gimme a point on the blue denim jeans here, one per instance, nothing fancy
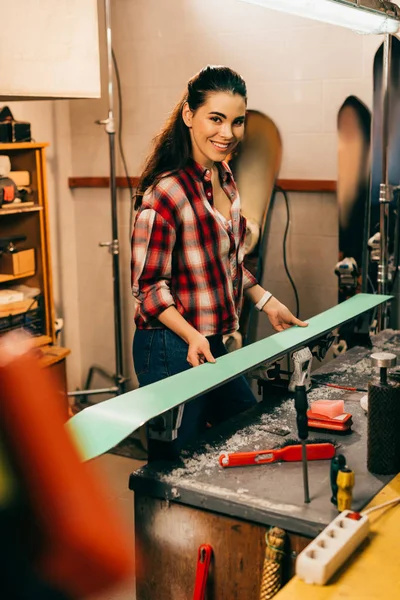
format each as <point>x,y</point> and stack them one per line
<point>159,353</point>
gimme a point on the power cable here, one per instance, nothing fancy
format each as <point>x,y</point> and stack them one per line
<point>288,222</point>
<point>120,144</point>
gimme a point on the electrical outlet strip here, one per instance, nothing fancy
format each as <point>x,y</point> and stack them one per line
<point>330,549</point>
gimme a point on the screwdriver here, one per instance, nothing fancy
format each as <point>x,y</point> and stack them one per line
<point>301,406</point>
<point>338,462</point>
<point>345,483</point>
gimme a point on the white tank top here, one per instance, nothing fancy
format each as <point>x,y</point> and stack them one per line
<point>223,219</point>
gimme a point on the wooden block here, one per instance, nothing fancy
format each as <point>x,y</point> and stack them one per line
<point>14,205</point>
<point>21,178</point>
<point>16,263</point>
<point>16,308</point>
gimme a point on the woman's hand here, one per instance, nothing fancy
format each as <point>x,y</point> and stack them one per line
<point>280,316</point>
<point>199,350</point>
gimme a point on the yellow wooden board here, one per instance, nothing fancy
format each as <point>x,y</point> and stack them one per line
<point>17,308</point>
<point>4,278</point>
<point>373,572</point>
<point>24,146</point>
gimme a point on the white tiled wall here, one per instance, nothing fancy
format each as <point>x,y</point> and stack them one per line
<point>297,71</point>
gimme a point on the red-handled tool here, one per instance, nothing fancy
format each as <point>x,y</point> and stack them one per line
<point>290,453</point>
<point>203,566</point>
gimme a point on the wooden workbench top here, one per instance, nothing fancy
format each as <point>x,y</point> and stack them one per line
<point>373,572</point>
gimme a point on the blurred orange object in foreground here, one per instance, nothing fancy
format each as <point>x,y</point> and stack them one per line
<point>81,547</point>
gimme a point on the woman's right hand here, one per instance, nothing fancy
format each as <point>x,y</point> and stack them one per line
<point>199,350</point>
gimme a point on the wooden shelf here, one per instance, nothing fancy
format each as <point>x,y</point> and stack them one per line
<point>41,340</point>
<point>17,211</point>
<point>4,278</point>
<point>288,185</point>
<point>52,355</point>
<point>18,308</point>
<point>307,185</point>
<point>23,146</point>
<point>100,182</point>
<point>31,220</point>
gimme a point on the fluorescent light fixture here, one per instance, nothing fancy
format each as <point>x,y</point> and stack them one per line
<point>363,16</point>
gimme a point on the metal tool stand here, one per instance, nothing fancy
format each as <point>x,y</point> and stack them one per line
<point>395,311</point>
<point>386,196</point>
<point>385,191</point>
<point>117,377</point>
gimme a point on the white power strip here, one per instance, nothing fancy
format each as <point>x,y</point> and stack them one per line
<point>329,550</point>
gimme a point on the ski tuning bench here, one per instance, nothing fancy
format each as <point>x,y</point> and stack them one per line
<point>192,501</point>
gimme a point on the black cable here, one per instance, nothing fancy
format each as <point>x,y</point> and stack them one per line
<point>279,189</point>
<point>396,243</point>
<point>120,144</point>
<point>371,284</point>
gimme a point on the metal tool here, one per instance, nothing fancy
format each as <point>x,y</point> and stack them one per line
<point>203,566</point>
<point>301,406</point>
<point>302,361</point>
<point>165,427</point>
<point>338,462</point>
<point>293,453</point>
<point>383,455</point>
<point>345,483</point>
<point>347,272</point>
<point>383,361</point>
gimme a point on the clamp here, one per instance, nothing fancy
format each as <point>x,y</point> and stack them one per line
<point>165,427</point>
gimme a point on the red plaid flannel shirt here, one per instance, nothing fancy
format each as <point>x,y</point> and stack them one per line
<point>183,255</point>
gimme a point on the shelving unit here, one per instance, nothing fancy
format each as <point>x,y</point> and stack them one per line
<point>31,221</point>
<point>18,209</point>
<point>4,278</point>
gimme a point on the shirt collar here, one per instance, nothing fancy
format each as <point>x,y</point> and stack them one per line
<point>196,170</point>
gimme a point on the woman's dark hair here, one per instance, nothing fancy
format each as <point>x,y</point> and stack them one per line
<point>172,146</point>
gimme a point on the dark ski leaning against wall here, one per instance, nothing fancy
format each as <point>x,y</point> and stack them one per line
<point>393,158</point>
<point>354,138</point>
<point>354,141</point>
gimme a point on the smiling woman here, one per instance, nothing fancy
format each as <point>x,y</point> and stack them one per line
<point>188,275</point>
<point>216,127</point>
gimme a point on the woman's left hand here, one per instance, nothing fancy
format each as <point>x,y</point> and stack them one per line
<point>280,316</point>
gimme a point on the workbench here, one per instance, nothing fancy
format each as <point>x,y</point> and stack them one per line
<point>373,571</point>
<point>179,506</point>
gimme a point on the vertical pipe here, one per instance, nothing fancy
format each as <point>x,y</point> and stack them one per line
<point>385,191</point>
<point>110,129</point>
<point>387,47</point>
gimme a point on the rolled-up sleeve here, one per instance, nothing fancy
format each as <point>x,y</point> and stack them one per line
<point>153,240</point>
<point>248,279</point>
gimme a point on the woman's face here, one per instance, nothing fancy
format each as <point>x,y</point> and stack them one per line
<point>216,127</point>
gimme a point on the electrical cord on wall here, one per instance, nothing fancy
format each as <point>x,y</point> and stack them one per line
<point>279,189</point>
<point>120,144</point>
<point>396,257</point>
<point>371,285</point>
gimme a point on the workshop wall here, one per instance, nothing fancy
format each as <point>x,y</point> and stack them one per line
<point>298,72</point>
<point>50,122</point>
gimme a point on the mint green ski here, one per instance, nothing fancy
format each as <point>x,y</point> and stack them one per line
<point>98,428</point>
